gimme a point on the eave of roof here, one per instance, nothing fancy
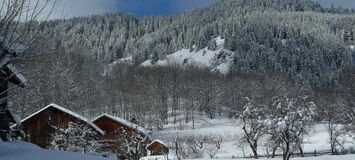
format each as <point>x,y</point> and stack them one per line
<point>122,121</point>
<point>68,112</point>
<point>20,79</point>
<point>156,141</point>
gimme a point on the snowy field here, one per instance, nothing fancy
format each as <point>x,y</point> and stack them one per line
<point>18,150</point>
<point>229,129</point>
<point>345,157</point>
<point>231,132</point>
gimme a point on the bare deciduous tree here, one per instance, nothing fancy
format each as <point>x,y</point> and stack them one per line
<point>253,124</point>
<point>18,19</point>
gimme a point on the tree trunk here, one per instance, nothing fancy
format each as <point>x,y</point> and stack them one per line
<point>289,156</point>
<point>177,149</point>
<point>253,145</point>
<point>193,118</point>
<point>254,148</point>
<point>255,152</point>
<point>175,107</point>
<point>286,154</point>
<point>331,138</point>
<point>273,152</point>
<point>301,151</point>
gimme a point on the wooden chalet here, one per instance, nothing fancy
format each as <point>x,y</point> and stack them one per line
<point>118,132</point>
<point>42,125</point>
<point>157,148</point>
<point>8,73</point>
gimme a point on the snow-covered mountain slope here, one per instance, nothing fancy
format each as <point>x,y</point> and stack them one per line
<point>18,150</point>
<point>218,60</point>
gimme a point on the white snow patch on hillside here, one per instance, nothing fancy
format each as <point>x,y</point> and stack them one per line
<point>219,42</point>
<point>108,69</point>
<point>219,60</point>
<point>18,150</point>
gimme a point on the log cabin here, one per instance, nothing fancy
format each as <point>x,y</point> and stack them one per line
<point>41,125</point>
<point>119,133</point>
<point>157,148</point>
<point>8,73</point>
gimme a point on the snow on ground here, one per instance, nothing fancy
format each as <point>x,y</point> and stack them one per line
<point>344,157</point>
<point>231,131</point>
<point>18,150</point>
<point>159,158</point>
<point>218,60</point>
<point>318,140</point>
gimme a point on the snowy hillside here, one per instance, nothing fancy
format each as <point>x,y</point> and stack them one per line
<point>18,150</point>
<point>219,60</point>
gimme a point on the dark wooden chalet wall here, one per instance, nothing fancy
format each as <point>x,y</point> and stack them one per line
<point>116,135</point>
<point>112,127</point>
<point>40,128</point>
<point>157,148</point>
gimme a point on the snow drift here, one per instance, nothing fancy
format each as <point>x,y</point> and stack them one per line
<point>18,150</point>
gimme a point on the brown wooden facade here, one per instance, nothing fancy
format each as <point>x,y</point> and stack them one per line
<point>8,74</point>
<point>157,148</point>
<point>41,126</point>
<point>117,132</point>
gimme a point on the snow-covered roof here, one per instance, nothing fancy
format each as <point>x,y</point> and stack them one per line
<point>122,121</point>
<point>20,78</point>
<point>68,112</point>
<point>156,141</point>
<point>17,48</point>
<point>5,60</point>
<point>14,48</point>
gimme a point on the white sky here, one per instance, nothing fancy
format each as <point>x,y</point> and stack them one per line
<point>342,3</point>
<point>75,8</point>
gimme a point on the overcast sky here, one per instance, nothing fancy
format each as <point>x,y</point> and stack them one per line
<point>74,8</point>
<point>160,7</point>
<point>342,3</point>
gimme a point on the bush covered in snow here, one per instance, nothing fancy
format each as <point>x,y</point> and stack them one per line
<point>77,138</point>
